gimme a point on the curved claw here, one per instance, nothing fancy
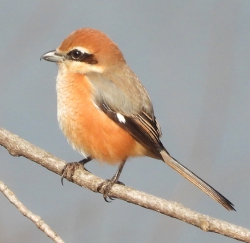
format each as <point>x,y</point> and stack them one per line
<point>107,186</point>
<point>120,183</point>
<point>69,170</point>
<point>62,179</point>
<point>106,200</point>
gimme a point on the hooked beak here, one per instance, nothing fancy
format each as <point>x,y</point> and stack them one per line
<point>52,56</point>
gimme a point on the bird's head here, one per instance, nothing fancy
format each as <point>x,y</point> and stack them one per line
<point>86,50</point>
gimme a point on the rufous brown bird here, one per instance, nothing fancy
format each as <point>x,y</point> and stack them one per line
<point>104,110</point>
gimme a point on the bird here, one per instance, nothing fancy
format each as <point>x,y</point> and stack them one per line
<point>104,110</point>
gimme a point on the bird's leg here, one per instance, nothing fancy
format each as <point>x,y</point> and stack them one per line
<point>69,168</point>
<point>107,184</point>
<point>84,161</point>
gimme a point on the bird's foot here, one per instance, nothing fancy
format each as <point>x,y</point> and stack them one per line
<point>106,186</point>
<point>70,168</point>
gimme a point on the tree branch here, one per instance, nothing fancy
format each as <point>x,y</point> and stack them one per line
<point>19,147</point>
<point>27,213</point>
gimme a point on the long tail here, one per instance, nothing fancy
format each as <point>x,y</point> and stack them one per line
<point>197,181</point>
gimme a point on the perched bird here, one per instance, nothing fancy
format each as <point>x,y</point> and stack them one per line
<point>104,110</point>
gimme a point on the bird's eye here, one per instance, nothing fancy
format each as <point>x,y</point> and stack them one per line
<point>76,54</point>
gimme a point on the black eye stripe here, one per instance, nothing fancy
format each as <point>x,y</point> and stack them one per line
<point>76,55</point>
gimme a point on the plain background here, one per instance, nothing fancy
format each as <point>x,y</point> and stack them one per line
<point>193,58</point>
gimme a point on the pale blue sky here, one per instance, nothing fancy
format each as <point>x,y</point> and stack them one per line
<point>194,59</point>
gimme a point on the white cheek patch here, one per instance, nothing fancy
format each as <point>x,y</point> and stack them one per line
<point>121,118</point>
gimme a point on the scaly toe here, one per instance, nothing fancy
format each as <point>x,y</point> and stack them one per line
<point>69,170</point>
<point>107,186</point>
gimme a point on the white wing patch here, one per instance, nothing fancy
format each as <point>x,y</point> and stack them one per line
<point>95,105</point>
<point>121,118</point>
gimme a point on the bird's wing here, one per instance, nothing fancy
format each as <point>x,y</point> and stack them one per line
<point>141,126</point>
<point>130,108</point>
<point>144,128</point>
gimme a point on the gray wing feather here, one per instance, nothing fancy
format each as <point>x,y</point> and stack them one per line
<point>112,88</point>
<point>112,97</point>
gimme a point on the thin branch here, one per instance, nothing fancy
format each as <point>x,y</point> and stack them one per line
<point>27,213</point>
<point>19,147</point>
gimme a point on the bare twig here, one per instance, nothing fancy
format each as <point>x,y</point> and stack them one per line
<point>19,147</point>
<point>27,213</point>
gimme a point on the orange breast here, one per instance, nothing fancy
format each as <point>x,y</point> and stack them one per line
<point>87,128</point>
